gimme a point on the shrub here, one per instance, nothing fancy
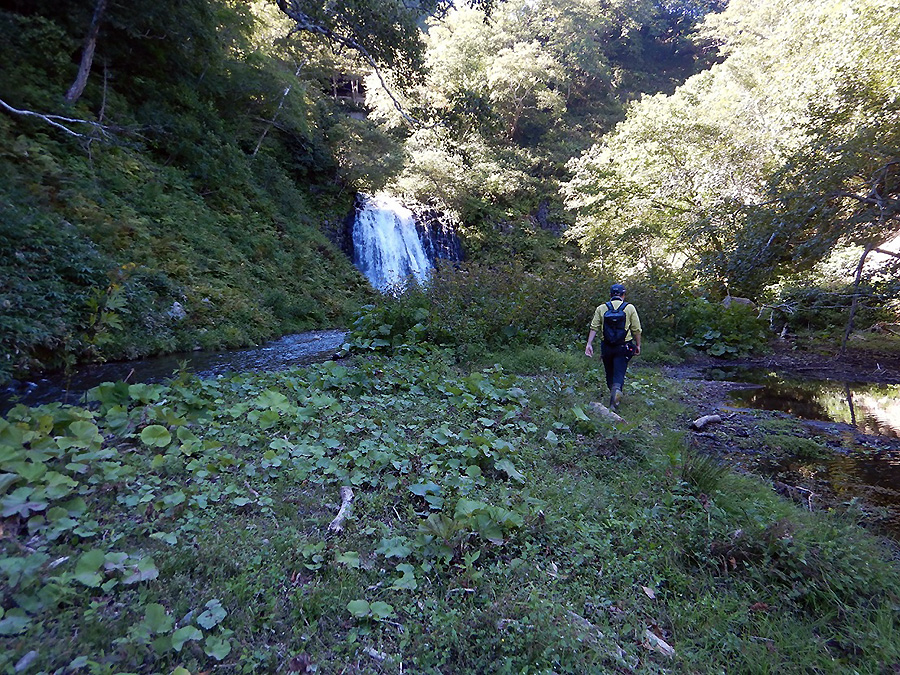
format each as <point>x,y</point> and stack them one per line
<point>822,308</point>
<point>718,330</point>
<point>477,307</point>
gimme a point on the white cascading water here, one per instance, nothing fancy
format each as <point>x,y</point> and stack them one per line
<point>386,246</point>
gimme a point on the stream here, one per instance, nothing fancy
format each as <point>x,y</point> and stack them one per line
<point>869,408</point>
<point>291,350</point>
<point>857,423</point>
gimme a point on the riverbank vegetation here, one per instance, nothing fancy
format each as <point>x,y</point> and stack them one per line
<point>495,524</point>
<point>177,175</point>
<point>181,200</point>
<point>445,498</point>
<point>193,192</point>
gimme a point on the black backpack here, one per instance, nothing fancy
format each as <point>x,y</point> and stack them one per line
<point>614,324</point>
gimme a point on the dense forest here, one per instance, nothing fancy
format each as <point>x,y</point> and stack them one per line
<point>446,495</point>
<point>177,176</point>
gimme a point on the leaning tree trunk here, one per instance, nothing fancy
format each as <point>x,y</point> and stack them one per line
<point>855,302</point>
<point>271,123</point>
<point>87,54</point>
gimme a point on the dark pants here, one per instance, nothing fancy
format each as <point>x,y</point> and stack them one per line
<point>615,363</point>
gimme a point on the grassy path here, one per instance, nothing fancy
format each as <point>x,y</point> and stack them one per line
<point>496,526</point>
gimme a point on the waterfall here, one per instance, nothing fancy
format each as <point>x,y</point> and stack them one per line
<point>386,245</point>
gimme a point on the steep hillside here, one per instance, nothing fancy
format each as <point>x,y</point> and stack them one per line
<point>183,207</point>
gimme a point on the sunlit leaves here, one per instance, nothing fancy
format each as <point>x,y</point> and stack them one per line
<point>183,635</point>
<point>156,436</point>
<point>739,168</point>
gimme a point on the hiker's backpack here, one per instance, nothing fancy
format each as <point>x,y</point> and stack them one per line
<point>614,324</point>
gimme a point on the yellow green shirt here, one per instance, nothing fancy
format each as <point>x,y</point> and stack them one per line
<point>632,320</point>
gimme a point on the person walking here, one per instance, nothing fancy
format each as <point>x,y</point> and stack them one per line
<point>621,329</point>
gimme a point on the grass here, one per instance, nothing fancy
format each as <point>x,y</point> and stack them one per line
<point>495,527</point>
<point>786,445</point>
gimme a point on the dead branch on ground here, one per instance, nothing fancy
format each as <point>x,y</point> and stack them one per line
<point>337,525</point>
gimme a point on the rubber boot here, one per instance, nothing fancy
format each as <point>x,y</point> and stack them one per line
<point>615,397</point>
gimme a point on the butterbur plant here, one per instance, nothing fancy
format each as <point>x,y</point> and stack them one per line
<point>720,331</point>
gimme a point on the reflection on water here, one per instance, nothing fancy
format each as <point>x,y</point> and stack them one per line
<point>875,479</point>
<point>871,408</point>
<point>291,350</point>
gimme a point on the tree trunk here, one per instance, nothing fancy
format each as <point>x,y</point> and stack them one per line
<point>854,303</point>
<point>87,54</point>
<point>284,95</point>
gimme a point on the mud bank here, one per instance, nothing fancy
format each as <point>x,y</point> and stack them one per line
<point>820,465</point>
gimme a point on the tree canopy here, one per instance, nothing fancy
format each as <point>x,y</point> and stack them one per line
<point>766,161</point>
<point>507,100</point>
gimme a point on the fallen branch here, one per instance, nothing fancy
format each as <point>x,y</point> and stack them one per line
<point>701,422</point>
<point>603,411</point>
<point>337,525</point>
<point>795,492</point>
<point>55,120</point>
<point>883,327</point>
<point>381,657</point>
<point>655,643</point>
<point>886,252</point>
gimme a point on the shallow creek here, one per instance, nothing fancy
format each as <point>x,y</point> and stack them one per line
<point>870,408</point>
<point>291,350</point>
<point>857,423</point>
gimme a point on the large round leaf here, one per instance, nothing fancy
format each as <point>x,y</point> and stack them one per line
<point>156,436</point>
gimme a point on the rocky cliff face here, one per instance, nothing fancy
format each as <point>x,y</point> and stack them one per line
<point>436,232</point>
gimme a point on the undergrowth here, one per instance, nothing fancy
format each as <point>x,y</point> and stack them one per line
<point>496,525</point>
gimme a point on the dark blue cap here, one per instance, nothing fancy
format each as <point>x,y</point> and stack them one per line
<point>616,290</point>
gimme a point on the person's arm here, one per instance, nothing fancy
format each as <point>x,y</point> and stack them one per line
<point>589,349</point>
<point>635,329</point>
<point>596,322</point>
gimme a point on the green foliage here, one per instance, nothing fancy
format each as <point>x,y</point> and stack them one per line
<point>787,445</point>
<point>720,331</point>
<point>494,526</point>
<point>533,360</point>
<point>518,315</point>
<point>761,165</point>
<point>816,307</point>
<point>701,474</point>
<point>516,96</point>
<point>476,307</point>
<point>49,272</point>
<point>201,195</point>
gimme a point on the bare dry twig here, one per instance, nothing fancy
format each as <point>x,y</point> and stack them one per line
<point>337,525</point>
<point>57,120</point>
